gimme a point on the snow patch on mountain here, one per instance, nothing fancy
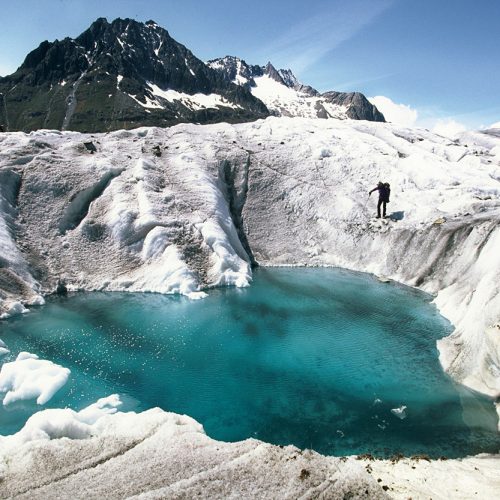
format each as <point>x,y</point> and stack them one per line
<point>284,95</point>
<point>285,101</point>
<point>195,102</point>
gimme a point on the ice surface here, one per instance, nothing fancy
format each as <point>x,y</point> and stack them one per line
<point>29,377</point>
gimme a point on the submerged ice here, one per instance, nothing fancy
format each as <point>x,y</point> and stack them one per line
<point>320,358</point>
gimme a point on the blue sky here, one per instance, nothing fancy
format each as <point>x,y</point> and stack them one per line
<point>439,57</point>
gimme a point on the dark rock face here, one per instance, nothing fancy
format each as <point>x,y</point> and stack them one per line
<point>232,68</point>
<point>359,107</point>
<point>108,78</point>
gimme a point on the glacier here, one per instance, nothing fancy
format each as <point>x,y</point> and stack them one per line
<point>185,209</point>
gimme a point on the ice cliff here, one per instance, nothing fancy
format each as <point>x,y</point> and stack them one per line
<point>192,207</point>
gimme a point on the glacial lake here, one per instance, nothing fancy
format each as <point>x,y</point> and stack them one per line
<point>317,358</point>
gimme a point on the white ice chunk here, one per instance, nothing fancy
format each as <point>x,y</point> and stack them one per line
<point>29,377</point>
<point>399,412</point>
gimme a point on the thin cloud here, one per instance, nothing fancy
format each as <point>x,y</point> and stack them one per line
<point>351,84</point>
<point>306,43</point>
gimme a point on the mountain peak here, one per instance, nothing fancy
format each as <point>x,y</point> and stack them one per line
<point>273,73</point>
<point>120,75</point>
<point>285,95</point>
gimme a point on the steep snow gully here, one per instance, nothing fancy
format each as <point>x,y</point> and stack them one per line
<point>184,209</point>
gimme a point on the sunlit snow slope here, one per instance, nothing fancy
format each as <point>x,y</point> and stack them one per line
<point>189,207</point>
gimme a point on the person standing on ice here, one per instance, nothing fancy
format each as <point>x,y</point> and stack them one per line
<point>384,192</point>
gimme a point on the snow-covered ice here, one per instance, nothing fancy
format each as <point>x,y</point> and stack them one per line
<point>29,377</point>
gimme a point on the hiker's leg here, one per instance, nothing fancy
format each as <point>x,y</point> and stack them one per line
<point>384,204</point>
<point>378,208</point>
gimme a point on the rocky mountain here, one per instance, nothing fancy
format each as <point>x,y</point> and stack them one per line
<point>117,75</point>
<point>127,74</point>
<point>284,95</point>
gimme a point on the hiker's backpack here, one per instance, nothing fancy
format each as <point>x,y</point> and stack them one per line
<point>387,191</point>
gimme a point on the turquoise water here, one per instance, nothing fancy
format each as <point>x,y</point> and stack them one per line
<point>311,357</point>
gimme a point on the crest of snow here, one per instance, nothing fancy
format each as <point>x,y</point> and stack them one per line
<point>119,78</point>
<point>495,125</point>
<point>63,423</point>
<point>120,42</point>
<point>400,114</point>
<point>448,128</point>
<point>289,102</point>
<point>148,104</point>
<point>29,377</point>
<point>218,231</point>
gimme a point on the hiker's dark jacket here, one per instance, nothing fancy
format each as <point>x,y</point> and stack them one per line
<point>384,192</point>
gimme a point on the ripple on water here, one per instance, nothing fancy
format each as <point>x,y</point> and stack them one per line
<point>314,357</point>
